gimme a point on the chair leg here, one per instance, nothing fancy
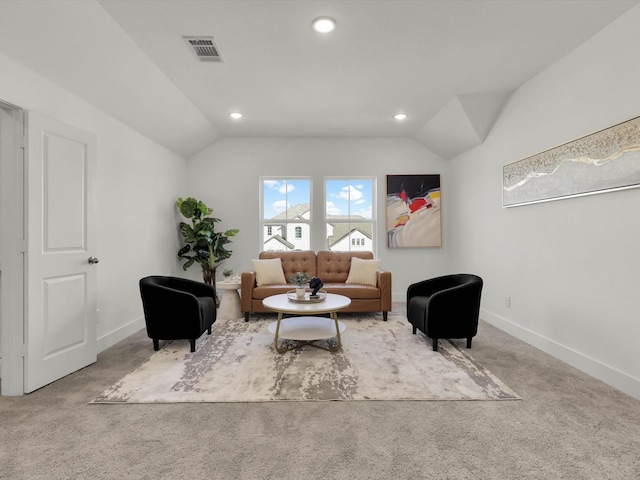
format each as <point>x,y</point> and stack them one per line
<point>156,344</point>
<point>434,342</point>
<point>384,316</point>
<point>193,345</point>
<point>469,342</point>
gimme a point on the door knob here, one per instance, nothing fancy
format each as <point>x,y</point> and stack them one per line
<point>93,260</point>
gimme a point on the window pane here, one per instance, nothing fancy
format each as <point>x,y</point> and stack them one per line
<point>291,242</point>
<point>286,199</point>
<point>350,199</point>
<point>344,236</point>
<point>286,213</point>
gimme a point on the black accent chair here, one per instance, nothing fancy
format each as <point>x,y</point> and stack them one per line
<point>445,307</point>
<point>177,308</point>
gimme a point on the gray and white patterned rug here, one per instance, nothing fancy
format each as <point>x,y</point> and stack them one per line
<point>378,361</point>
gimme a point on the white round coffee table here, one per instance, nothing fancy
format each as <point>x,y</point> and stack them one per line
<point>304,328</point>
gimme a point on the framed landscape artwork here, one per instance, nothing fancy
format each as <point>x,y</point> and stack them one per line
<point>413,211</point>
<point>601,162</point>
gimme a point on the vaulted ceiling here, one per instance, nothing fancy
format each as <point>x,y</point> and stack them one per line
<point>449,65</point>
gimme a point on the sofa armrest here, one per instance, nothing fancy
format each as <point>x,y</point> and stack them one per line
<point>199,289</point>
<point>384,283</point>
<point>461,302</point>
<point>246,289</point>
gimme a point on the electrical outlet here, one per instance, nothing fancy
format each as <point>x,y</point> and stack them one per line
<point>507,302</point>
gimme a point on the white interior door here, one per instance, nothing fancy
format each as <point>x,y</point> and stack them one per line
<point>61,282</point>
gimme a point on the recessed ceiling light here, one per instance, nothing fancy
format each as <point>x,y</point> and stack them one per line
<point>400,116</point>
<point>235,115</point>
<point>324,24</point>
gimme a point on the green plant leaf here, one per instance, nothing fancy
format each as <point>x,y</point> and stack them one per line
<point>188,207</point>
<point>188,264</point>
<point>203,209</point>
<point>210,221</point>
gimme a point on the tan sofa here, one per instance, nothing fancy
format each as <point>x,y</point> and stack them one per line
<point>332,268</point>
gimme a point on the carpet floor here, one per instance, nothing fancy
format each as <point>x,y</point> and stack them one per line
<point>567,426</point>
<point>378,361</point>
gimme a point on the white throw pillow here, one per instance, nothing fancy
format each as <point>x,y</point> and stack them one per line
<point>269,272</point>
<point>363,272</point>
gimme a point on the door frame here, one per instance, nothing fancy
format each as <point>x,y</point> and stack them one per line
<point>12,248</point>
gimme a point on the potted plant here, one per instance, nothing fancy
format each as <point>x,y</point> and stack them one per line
<point>300,279</point>
<point>226,273</point>
<point>203,245</point>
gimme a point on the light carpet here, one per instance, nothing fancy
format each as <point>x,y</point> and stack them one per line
<point>378,361</point>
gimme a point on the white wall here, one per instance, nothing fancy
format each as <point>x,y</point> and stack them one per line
<point>571,267</point>
<point>138,182</point>
<point>226,177</point>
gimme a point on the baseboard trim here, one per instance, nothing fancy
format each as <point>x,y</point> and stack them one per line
<point>119,334</point>
<point>591,366</point>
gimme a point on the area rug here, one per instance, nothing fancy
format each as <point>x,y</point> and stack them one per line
<point>378,361</point>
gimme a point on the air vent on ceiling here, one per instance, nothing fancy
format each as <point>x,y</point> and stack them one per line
<point>204,48</point>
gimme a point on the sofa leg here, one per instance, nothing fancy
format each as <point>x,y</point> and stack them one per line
<point>434,342</point>
<point>209,331</point>
<point>193,344</point>
<point>415,329</point>
<point>384,316</point>
<point>246,316</point>
<point>469,342</point>
<point>156,344</point>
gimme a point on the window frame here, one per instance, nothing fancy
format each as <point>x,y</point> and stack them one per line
<point>276,224</point>
<point>351,179</point>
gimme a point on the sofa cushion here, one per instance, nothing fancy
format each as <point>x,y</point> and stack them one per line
<point>353,291</point>
<point>333,267</point>
<point>269,272</point>
<point>363,272</point>
<point>260,293</point>
<point>293,262</point>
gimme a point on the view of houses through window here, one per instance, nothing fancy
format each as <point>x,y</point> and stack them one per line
<point>287,222</point>
<point>349,213</point>
<point>286,213</point>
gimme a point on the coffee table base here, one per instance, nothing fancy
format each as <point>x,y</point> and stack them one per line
<point>306,331</point>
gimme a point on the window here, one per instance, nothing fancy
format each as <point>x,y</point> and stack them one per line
<point>349,213</point>
<point>286,213</point>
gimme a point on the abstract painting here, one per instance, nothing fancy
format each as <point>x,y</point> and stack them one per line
<point>413,211</point>
<point>601,162</point>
